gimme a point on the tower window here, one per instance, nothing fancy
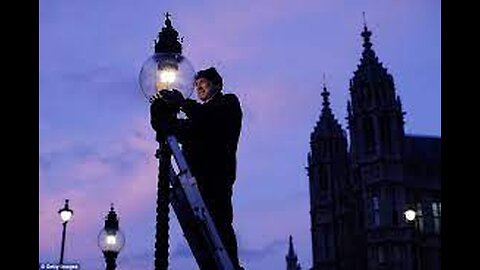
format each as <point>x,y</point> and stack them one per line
<point>325,239</point>
<point>394,207</point>
<point>385,133</point>
<point>368,97</point>
<point>420,217</point>
<point>324,243</point>
<point>375,211</point>
<point>436,211</point>
<point>396,253</point>
<point>360,99</point>
<point>388,135</point>
<point>381,254</point>
<point>323,179</point>
<point>369,135</point>
<point>381,96</point>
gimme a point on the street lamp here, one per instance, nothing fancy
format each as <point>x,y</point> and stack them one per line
<point>410,215</point>
<point>166,69</point>
<point>65,214</point>
<point>111,240</point>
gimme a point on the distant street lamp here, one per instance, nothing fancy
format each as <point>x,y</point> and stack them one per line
<point>65,214</point>
<point>111,240</point>
<point>410,215</point>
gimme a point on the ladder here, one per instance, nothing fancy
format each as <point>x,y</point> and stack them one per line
<point>192,214</point>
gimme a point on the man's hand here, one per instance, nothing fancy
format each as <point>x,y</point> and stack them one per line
<point>153,98</point>
<point>173,97</point>
<point>163,110</point>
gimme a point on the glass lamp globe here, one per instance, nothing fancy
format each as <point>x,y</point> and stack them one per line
<point>111,240</point>
<point>167,71</point>
<point>65,213</point>
<point>410,215</point>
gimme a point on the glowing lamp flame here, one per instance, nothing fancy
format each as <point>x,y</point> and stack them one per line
<point>111,240</point>
<point>165,78</point>
<point>168,76</point>
<point>65,215</point>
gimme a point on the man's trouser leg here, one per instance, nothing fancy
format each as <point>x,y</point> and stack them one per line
<point>219,204</point>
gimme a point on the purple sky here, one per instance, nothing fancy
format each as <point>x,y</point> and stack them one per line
<point>96,144</point>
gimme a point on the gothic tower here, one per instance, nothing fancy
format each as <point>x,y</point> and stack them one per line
<point>376,125</point>
<point>291,258</point>
<point>328,181</point>
<point>358,196</point>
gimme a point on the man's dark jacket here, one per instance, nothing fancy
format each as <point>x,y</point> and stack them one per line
<point>209,138</point>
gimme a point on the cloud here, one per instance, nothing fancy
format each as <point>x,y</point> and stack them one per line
<point>96,176</point>
<point>263,226</point>
<point>256,254</point>
<point>136,260</point>
<point>234,32</point>
<point>269,104</point>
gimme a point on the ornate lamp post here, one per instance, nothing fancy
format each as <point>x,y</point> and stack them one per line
<point>65,214</point>
<point>166,69</point>
<point>111,240</point>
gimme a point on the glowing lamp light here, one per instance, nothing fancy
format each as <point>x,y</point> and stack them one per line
<point>410,215</point>
<point>166,71</point>
<point>111,238</point>
<point>65,213</point>
<point>167,76</point>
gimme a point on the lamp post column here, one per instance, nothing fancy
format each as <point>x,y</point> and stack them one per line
<point>63,242</point>
<point>162,211</point>
<point>110,259</point>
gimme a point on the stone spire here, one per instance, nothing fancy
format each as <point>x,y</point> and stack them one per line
<point>291,258</point>
<point>371,85</point>
<point>375,116</point>
<point>326,111</point>
<point>368,53</point>
<point>327,125</point>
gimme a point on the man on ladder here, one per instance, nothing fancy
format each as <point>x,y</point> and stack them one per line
<point>209,138</point>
